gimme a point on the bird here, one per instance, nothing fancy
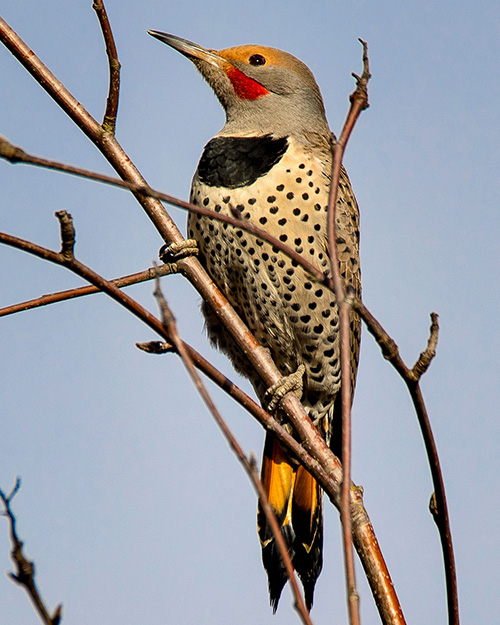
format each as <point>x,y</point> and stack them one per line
<point>271,165</point>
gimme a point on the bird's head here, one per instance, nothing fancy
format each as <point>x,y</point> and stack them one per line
<point>262,90</point>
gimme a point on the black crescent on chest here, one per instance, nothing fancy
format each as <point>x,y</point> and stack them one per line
<point>233,162</point>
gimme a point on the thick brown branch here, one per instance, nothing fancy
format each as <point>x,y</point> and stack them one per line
<point>109,120</point>
<point>25,569</point>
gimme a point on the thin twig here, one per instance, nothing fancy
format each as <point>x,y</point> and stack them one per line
<point>411,378</point>
<point>249,466</point>
<point>25,569</point>
<point>109,120</point>
<point>61,296</point>
<point>359,101</point>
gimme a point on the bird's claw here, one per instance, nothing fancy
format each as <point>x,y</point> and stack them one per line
<point>176,251</point>
<point>293,382</point>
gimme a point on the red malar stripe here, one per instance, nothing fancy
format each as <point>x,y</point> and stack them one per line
<point>245,87</point>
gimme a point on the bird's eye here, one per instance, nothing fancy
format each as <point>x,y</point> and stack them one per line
<point>257,59</point>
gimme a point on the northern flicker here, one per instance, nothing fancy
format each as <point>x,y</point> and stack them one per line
<point>271,162</point>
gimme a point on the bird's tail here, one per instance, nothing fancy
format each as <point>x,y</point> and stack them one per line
<point>297,501</point>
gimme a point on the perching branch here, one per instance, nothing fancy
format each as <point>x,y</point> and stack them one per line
<point>10,152</point>
<point>25,569</point>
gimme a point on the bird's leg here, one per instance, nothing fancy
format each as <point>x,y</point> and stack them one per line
<point>293,382</point>
<point>173,252</point>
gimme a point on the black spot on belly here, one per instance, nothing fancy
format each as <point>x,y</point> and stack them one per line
<point>233,162</point>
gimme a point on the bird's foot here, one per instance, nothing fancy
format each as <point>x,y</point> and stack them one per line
<point>293,382</point>
<point>171,253</point>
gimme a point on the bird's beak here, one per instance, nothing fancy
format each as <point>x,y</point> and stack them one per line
<point>189,49</point>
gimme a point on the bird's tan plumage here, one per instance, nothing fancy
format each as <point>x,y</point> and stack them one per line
<point>272,163</point>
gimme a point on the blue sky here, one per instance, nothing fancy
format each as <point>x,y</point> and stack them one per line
<point>132,505</point>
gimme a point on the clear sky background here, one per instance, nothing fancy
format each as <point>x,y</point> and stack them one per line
<point>132,505</point>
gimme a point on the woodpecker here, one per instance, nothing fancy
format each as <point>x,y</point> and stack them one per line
<point>271,162</point>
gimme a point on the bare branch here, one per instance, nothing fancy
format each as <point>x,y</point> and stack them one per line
<point>425,358</point>
<point>442,518</point>
<point>411,378</point>
<point>25,569</point>
<point>359,101</point>
<point>61,296</point>
<point>67,234</point>
<point>109,120</point>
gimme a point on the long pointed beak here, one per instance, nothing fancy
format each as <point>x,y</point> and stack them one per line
<point>188,48</point>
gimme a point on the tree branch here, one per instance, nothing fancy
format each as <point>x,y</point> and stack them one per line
<point>25,569</point>
<point>61,296</point>
<point>109,120</point>
<point>359,101</point>
<point>411,377</point>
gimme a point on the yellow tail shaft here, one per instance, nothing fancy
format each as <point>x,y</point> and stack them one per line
<point>296,499</point>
